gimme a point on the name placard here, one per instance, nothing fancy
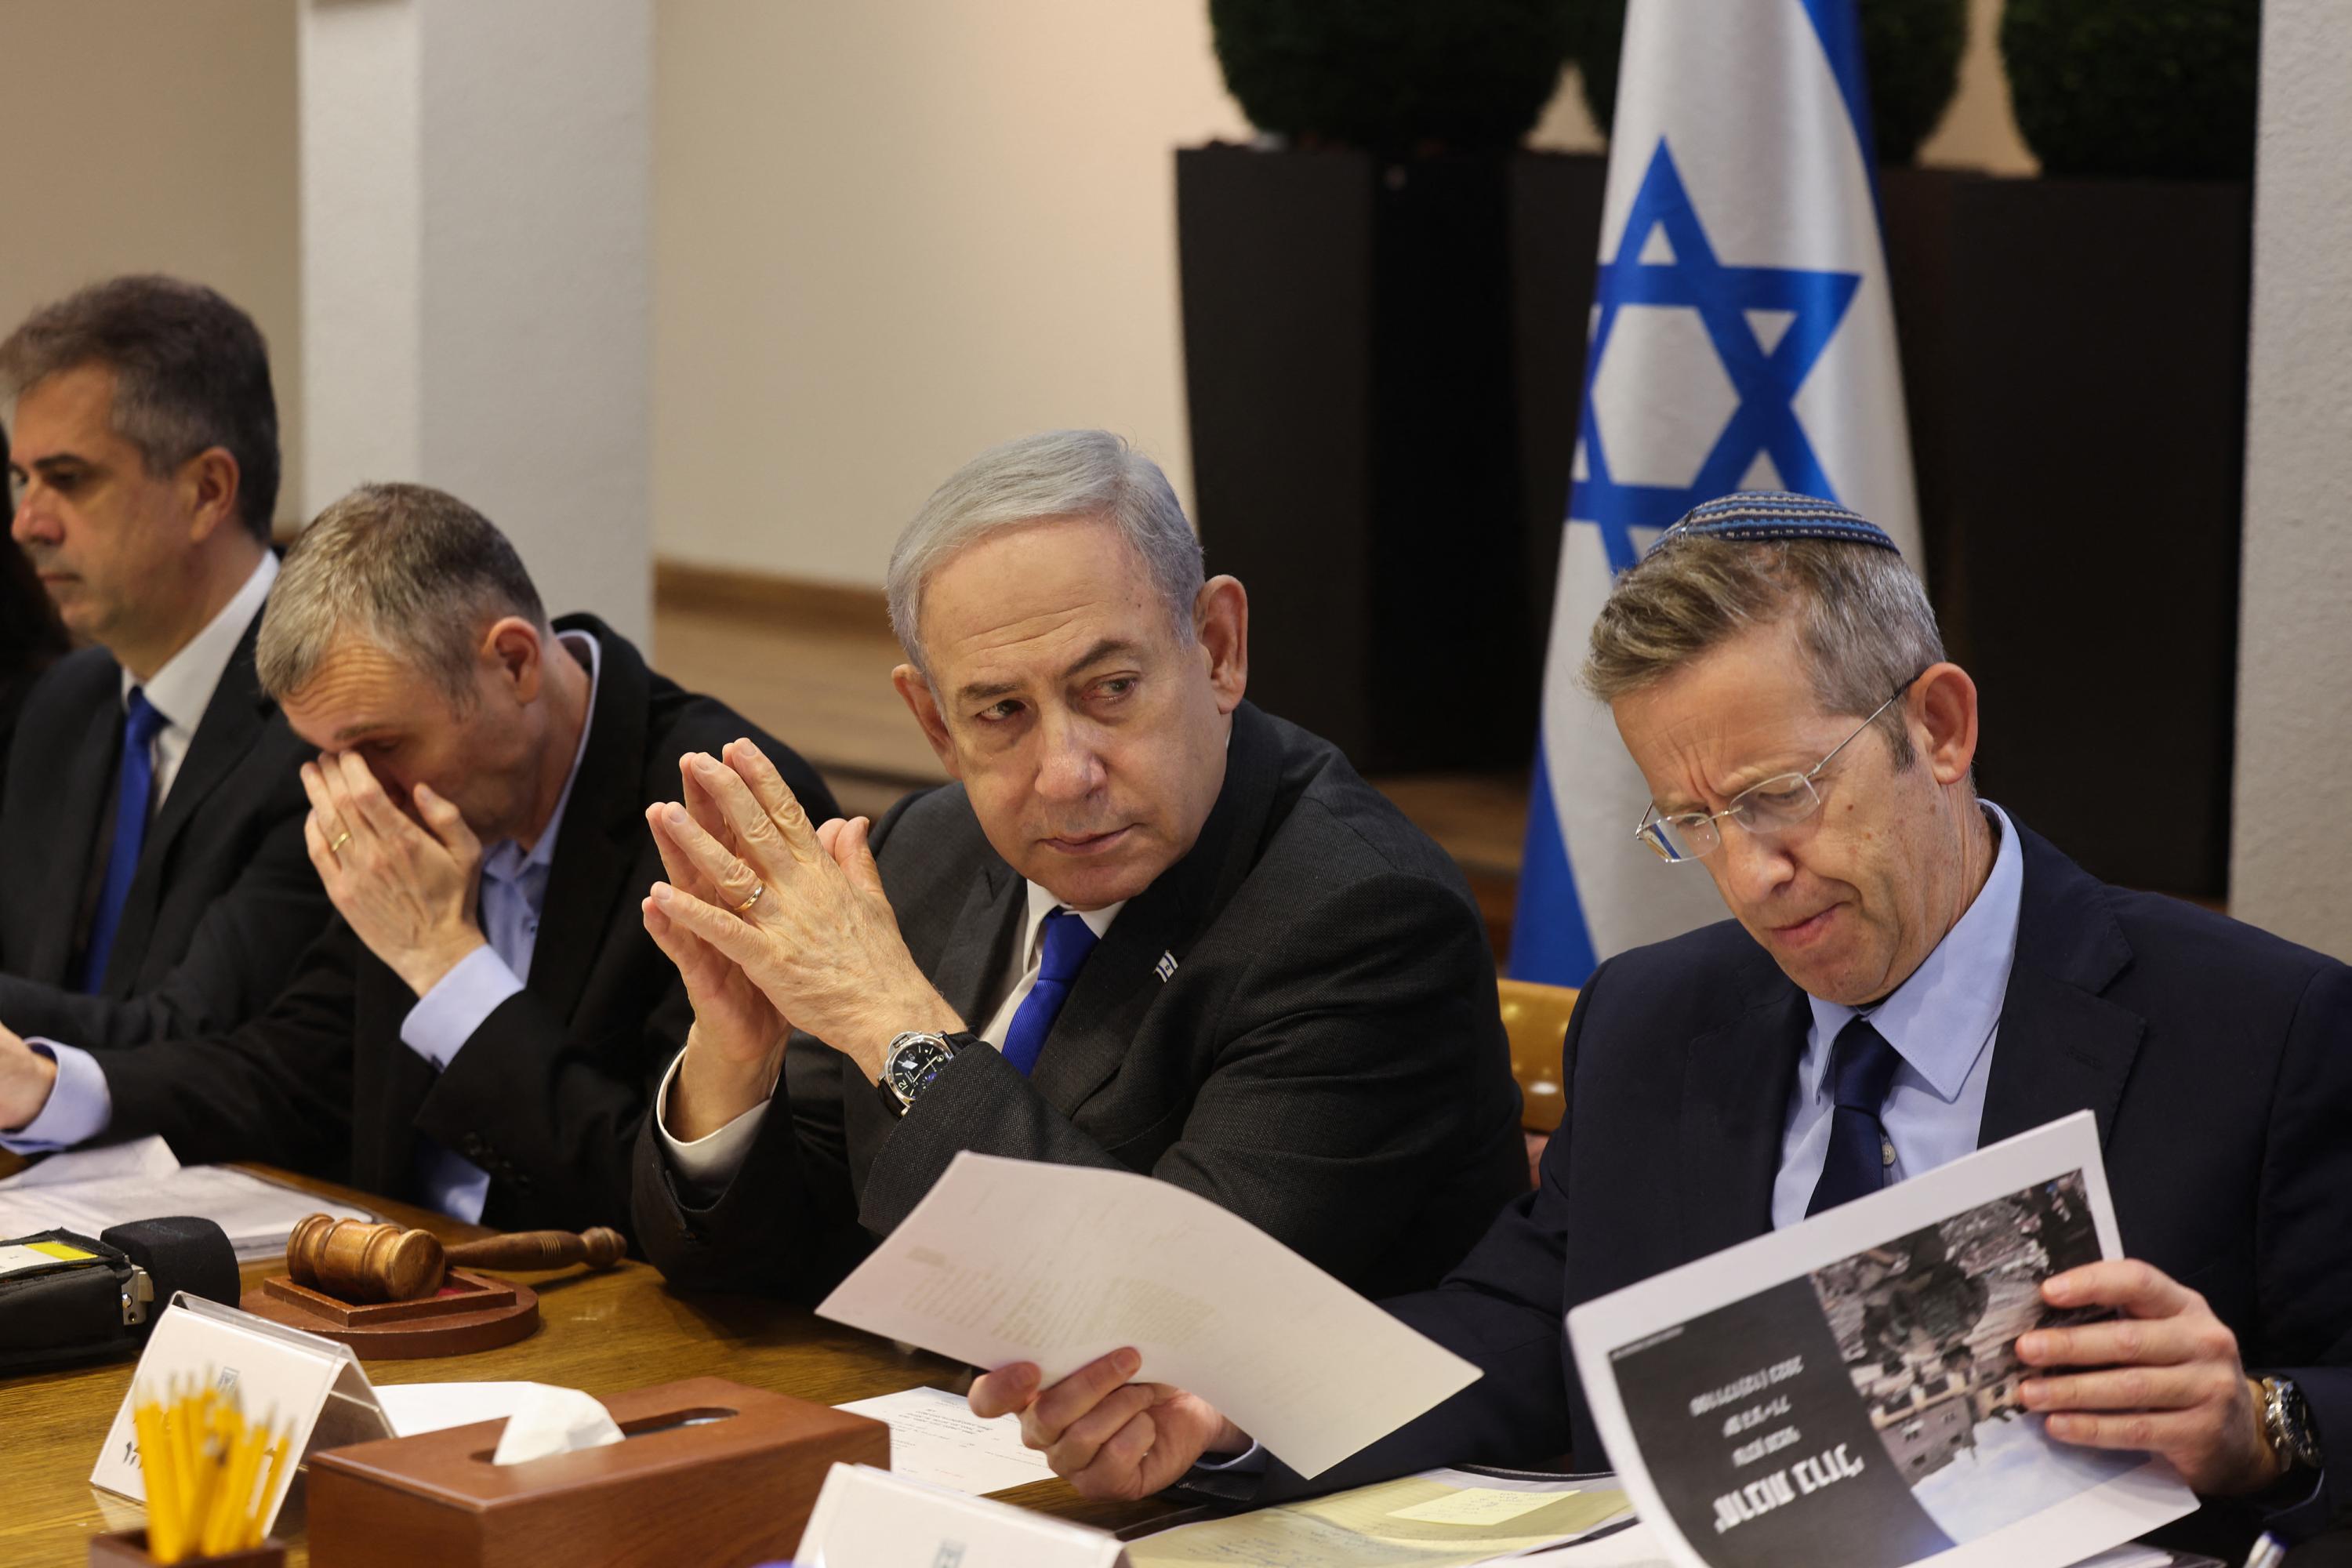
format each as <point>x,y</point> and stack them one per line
<point>279,1375</point>
<point>866,1516</point>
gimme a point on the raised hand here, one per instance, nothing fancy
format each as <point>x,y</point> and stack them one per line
<point>800,910</point>
<point>410,892</point>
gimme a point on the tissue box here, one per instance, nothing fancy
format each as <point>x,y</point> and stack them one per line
<point>712,1472</point>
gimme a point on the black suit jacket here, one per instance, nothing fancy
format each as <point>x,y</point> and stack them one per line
<point>548,1092</point>
<point>224,900</point>
<point>1325,1060</point>
<point>2216,1059</point>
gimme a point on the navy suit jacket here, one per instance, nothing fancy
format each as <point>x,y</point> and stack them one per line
<point>2217,1059</point>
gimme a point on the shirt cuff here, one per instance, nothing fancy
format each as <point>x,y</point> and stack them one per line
<point>708,1162</point>
<point>446,1017</point>
<point>78,1108</point>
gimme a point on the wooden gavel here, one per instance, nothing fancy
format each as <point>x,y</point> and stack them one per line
<point>355,1261</point>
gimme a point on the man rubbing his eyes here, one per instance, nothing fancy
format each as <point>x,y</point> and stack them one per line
<point>1148,926</point>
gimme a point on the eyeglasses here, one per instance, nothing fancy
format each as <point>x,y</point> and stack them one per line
<point>1772,805</point>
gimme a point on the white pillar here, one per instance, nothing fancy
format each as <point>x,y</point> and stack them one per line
<point>2291,841</point>
<point>477,275</point>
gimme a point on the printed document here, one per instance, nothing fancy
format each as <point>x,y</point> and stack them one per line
<point>1008,1260</point>
<point>93,1190</point>
<point>1847,1389</point>
<point>935,1437</point>
<point>1442,1519</point>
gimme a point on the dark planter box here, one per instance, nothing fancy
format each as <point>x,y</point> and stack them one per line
<point>1384,364</point>
<point>2074,358</point>
<point>1355,390</point>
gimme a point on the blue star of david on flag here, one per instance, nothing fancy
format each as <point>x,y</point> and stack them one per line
<point>1766,380</point>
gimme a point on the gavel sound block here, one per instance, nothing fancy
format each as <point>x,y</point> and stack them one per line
<point>389,1293</point>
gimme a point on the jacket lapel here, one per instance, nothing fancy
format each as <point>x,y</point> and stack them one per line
<point>232,721</point>
<point>85,811</point>
<point>2061,1045</point>
<point>1090,1037</point>
<point>979,946</point>
<point>1735,1085</point>
<point>603,826</point>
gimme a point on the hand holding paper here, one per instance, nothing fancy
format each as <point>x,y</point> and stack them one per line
<point>1008,1261</point>
<point>1107,1436</point>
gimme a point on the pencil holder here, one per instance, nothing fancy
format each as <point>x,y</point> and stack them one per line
<point>128,1548</point>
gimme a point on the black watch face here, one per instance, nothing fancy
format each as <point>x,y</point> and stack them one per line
<point>914,1067</point>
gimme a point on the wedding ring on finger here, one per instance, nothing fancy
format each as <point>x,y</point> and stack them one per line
<point>744,908</point>
<point>340,840</point>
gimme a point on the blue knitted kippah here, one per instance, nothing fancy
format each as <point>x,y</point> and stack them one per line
<point>1773,514</point>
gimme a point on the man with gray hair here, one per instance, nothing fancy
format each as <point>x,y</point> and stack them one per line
<point>151,874</point>
<point>1909,973</point>
<point>479,1029</point>
<point>1148,926</point>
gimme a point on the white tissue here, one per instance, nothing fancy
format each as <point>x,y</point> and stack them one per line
<point>552,1420</point>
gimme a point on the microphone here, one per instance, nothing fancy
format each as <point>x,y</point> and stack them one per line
<point>65,1298</point>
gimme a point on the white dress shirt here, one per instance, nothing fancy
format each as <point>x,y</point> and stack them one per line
<point>711,1160</point>
<point>183,689</point>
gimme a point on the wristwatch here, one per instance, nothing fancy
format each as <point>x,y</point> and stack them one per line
<point>913,1060</point>
<point>2287,1422</point>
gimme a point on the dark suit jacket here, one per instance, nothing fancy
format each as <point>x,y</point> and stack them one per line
<point>2216,1059</point>
<point>547,1094</point>
<point>224,900</point>
<point>1326,1058</point>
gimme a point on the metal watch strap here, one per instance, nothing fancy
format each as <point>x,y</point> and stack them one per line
<point>2286,1422</point>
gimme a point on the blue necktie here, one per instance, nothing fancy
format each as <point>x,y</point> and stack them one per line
<point>1068,939</point>
<point>136,780</point>
<point>1862,1067</point>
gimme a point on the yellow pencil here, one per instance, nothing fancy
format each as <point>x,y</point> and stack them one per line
<point>155,1465</point>
<point>267,1490</point>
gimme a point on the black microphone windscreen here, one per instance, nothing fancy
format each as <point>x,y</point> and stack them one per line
<point>182,1252</point>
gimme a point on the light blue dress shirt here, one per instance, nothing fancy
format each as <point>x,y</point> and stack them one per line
<point>514,891</point>
<point>1941,1021</point>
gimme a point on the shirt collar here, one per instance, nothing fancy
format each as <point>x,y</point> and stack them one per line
<point>506,860</point>
<point>183,689</point>
<point>1941,1020</point>
<point>1042,902</point>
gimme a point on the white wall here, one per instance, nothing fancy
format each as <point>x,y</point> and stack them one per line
<point>2291,859</point>
<point>477,271</point>
<point>156,138</point>
<point>887,235</point>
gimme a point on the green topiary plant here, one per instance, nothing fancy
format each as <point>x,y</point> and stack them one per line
<point>1393,75</point>
<point>1910,48</point>
<point>2135,87</point>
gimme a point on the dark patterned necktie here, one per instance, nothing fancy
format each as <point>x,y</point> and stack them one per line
<point>1862,1067</point>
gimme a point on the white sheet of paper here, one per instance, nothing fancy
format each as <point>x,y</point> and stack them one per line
<point>2082,1502</point>
<point>419,1407</point>
<point>935,1437</point>
<point>92,1190</point>
<point>1008,1260</point>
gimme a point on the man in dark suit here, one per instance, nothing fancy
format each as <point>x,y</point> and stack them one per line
<point>1149,927</point>
<point>1910,975</point>
<point>479,1026</point>
<point>152,873</point>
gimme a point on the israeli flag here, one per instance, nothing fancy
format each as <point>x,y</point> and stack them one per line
<point>1742,338</point>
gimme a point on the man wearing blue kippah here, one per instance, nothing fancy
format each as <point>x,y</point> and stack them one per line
<point>1909,973</point>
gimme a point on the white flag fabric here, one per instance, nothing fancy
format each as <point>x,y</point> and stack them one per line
<point>1742,338</point>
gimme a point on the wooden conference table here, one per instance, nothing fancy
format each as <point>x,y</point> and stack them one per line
<point>603,1332</point>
